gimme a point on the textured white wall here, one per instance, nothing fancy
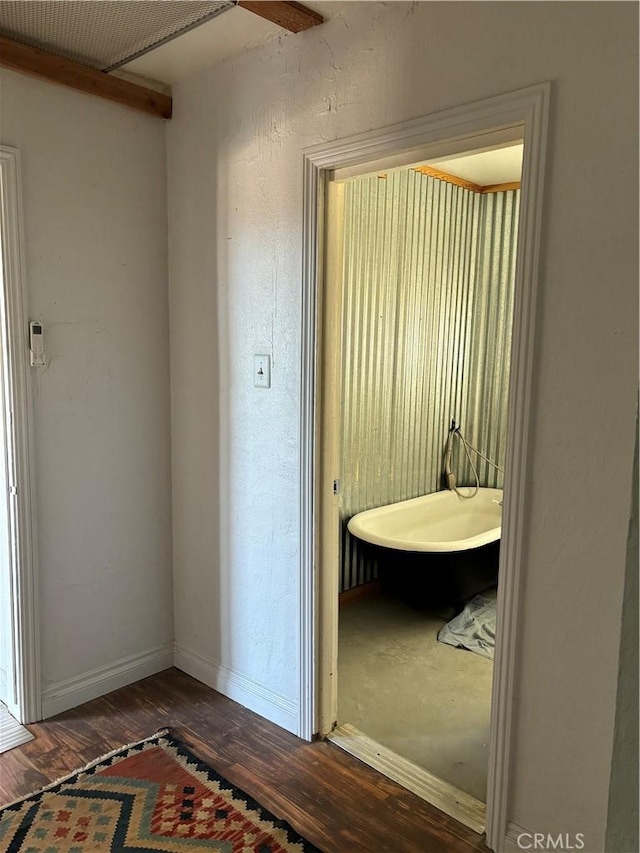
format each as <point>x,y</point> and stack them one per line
<point>94,191</point>
<point>235,202</point>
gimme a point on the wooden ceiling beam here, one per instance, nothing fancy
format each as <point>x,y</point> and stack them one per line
<point>291,16</point>
<point>65,72</point>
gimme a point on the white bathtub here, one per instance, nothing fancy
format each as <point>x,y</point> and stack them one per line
<point>442,521</point>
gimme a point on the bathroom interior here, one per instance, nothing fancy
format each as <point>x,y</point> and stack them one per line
<point>428,271</point>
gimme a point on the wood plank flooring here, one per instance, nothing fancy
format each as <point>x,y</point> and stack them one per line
<point>335,801</point>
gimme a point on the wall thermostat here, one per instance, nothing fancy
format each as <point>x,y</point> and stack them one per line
<point>36,344</point>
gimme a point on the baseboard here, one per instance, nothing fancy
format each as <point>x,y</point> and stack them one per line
<point>267,703</point>
<point>514,831</point>
<point>67,694</point>
<point>357,593</point>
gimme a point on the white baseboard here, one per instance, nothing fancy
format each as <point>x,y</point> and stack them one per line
<point>67,694</point>
<point>241,689</point>
<point>511,845</point>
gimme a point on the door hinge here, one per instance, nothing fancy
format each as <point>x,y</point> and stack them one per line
<point>336,487</point>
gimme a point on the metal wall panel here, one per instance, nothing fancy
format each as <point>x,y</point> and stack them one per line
<point>426,325</point>
<point>489,337</point>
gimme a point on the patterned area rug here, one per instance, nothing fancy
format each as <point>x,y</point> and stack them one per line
<point>151,796</point>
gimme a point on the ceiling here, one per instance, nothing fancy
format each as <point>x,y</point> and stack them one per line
<point>485,168</point>
<point>102,35</point>
<point>164,41</point>
<point>161,41</point>
<point>497,164</point>
<point>230,34</point>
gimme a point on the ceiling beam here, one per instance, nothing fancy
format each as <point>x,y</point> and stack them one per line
<point>292,16</point>
<point>65,72</point>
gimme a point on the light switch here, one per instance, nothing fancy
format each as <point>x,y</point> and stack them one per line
<point>262,371</point>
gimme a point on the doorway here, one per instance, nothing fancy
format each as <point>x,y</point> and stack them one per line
<point>518,115</point>
<point>422,304</point>
<point>19,651</point>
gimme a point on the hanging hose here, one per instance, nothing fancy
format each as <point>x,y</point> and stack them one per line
<point>449,476</point>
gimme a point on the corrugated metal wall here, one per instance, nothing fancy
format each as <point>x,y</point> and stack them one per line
<point>427,305</point>
<point>484,418</point>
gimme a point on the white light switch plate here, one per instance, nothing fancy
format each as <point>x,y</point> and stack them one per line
<point>262,371</point>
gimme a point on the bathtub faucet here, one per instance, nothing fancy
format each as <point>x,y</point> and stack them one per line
<point>449,476</point>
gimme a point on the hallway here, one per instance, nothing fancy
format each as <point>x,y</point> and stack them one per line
<point>336,802</point>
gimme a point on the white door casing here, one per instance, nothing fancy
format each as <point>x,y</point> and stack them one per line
<point>430,136</point>
<point>23,675</point>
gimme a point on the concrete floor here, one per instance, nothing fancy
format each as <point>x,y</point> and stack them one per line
<point>424,700</point>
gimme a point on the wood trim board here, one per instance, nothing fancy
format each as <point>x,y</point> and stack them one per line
<point>444,796</point>
<point>64,72</point>
<point>432,172</point>
<point>360,592</point>
<point>290,16</point>
<point>501,188</point>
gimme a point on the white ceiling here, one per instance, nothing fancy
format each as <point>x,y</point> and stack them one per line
<point>230,34</point>
<point>499,166</point>
<point>112,27</point>
<point>102,35</point>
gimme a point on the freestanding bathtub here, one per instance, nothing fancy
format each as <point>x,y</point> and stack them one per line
<point>439,549</point>
<point>441,522</point>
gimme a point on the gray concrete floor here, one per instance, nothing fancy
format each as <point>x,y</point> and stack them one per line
<point>424,700</point>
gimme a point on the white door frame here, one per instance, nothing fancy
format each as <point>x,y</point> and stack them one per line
<point>527,108</point>
<point>23,684</point>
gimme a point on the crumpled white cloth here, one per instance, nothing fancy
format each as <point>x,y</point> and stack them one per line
<point>475,627</point>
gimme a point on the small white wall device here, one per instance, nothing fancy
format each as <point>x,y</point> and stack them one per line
<point>262,371</point>
<point>36,344</point>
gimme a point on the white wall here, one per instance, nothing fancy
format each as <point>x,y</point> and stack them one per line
<point>94,182</point>
<point>235,201</point>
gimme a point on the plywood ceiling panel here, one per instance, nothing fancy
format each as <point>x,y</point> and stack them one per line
<point>103,34</point>
<point>228,35</point>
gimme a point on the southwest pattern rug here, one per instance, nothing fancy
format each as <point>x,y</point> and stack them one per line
<point>154,795</point>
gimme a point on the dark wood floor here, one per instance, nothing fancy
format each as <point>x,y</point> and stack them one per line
<point>337,803</point>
